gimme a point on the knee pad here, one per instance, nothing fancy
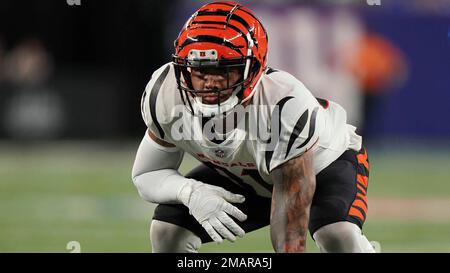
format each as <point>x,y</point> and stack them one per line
<point>166,237</point>
<point>342,237</point>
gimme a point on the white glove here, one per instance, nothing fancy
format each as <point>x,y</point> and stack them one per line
<point>210,207</point>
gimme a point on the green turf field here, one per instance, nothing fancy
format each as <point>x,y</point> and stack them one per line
<point>53,194</point>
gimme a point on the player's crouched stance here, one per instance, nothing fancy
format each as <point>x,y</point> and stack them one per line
<point>311,172</point>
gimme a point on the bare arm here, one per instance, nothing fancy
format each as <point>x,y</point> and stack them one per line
<point>294,186</point>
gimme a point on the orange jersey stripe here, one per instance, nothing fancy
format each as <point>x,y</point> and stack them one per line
<point>356,213</point>
<point>361,188</point>
<point>364,198</point>
<point>363,180</point>
<point>362,158</point>
<point>360,204</point>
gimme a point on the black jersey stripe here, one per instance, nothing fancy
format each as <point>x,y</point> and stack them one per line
<point>312,127</point>
<point>270,70</point>
<point>363,170</point>
<point>323,102</point>
<point>298,128</point>
<point>280,104</point>
<point>358,190</point>
<point>362,200</point>
<point>153,96</point>
<point>360,210</point>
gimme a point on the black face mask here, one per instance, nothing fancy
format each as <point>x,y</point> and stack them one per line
<point>183,68</point>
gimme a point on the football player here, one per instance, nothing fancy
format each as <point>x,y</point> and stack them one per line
<point>272,153</point>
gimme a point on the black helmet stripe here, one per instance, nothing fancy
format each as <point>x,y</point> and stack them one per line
<point>233,17</point>
<point>231,13</point>
<point>223,24</point>
<point>210,39</point>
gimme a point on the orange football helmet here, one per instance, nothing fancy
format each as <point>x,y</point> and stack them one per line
<point>220,35</point>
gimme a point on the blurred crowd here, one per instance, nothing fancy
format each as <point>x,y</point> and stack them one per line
<point>335,56</point>
<point>80,71</point>
<point>31,109</point>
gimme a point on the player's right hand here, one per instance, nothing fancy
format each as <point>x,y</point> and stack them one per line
<point>211,207</point>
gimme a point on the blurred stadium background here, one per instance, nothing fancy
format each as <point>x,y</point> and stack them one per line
<point>71,77</point>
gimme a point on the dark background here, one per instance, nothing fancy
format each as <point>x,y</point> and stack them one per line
<point>103,54</point>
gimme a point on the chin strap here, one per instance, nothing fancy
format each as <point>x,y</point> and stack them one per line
<point>214,110</point>
<point>210,110</point>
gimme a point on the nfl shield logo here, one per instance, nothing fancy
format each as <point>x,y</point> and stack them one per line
<point>220,153</point>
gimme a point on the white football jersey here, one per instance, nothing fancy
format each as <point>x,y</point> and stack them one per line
<point>283,121</point>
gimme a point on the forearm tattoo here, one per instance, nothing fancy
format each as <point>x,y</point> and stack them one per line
<point>294,186</point>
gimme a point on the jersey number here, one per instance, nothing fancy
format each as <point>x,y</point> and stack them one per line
<point>253,173</point>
